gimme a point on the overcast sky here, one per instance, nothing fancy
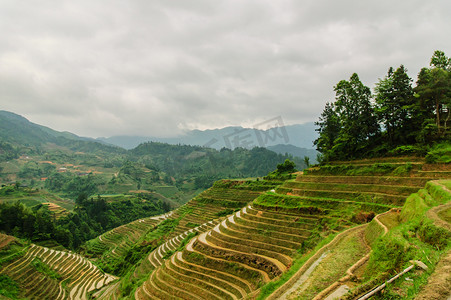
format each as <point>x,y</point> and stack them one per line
<point>103,68</point>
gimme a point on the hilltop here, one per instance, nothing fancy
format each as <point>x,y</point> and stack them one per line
<point>299,135</point>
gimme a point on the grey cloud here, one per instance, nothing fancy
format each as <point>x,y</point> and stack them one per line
<point>157,67</point>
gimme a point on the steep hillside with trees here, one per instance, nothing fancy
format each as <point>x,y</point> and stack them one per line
<point>397,119</point>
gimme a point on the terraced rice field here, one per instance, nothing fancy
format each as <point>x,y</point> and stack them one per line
<point>197,216</point>
<point>258,243</point>
<point>45,273</point>
<point>389,190</point>
<point>117,241</point>
<point>56,210</point>
<point>242,252</point>
<point>234,238</point>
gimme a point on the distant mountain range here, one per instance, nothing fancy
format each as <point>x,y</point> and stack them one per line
<point>300,135</point>
<point>296,140</point>
<point>293,139</point>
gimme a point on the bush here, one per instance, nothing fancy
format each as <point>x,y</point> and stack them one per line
<point>8,287</point>
<point>433,235</point>
<point>407,150</point>
<point>440,153</point>
<point>390,253</point>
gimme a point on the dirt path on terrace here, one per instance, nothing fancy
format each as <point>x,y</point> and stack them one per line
<point>304,277</point>
<point>340,287</point>
<point>439,283</point>
<point>292,284</point>
<point>292,281</point>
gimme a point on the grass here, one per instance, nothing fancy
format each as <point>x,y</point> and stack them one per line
<point>334,265</point>
<point>390,220</point>
<point>12,252</point>
<point>44,269</point>
<point>317,205</point>
<point>357,170</point>
<point>298,262</point>
<point>413,248</point>
<point>445,215</point>
<point>438,193</point>
<point>8,287</point>
<point>167,191</point>
<point>417,238</point>
<point>373,232</point>
<point>446,183</point>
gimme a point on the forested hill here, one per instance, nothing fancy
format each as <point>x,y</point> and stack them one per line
<point>20,136</point>
<point>205,165</point>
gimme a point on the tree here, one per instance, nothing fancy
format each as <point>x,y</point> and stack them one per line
<point>287,167</point>
<point>307,161</point>
<point>329,128</point>
<point>394,100</point>
<point>439,60</point>
<point>433,92</point>
<point>358,123</point>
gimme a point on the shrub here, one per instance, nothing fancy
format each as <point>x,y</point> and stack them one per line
<point>8,287</point>
<point>406,150</point>
<point>362,217</point>
<point>390,253</point>
<point>440,153</point>
<point>433,235</point>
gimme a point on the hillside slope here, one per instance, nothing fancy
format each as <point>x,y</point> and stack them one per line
<point>303,236</point>
<point>21,133</point>
<point>269,236</point>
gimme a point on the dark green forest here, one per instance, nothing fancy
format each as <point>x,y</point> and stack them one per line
<point>90,218</point>
<point>398,118</point>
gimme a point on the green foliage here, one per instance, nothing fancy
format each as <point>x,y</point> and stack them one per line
<point>433,235</point>
<point>90,218</point>
<point>44,269</point>
<point>436,191</point>
<point>287,167</point>
<point>186,239</point>
<point>224,212</point>
<point>9,190</point>
<point>8,287</point>
<point>71,184</point>
<point>416,238</point>
<point>390,254</point>
<point>394,94</point>
<point>348,125</point>
<point>163,229</point>
<point>203,166</point>
<point>402,170</point>
<point>440,153</point>
<point>8,151</point>
<point>120,266</point>
<point>403,121</point>
<point>353,170</point>
<point>407,150</point>
<point>413,208</point>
